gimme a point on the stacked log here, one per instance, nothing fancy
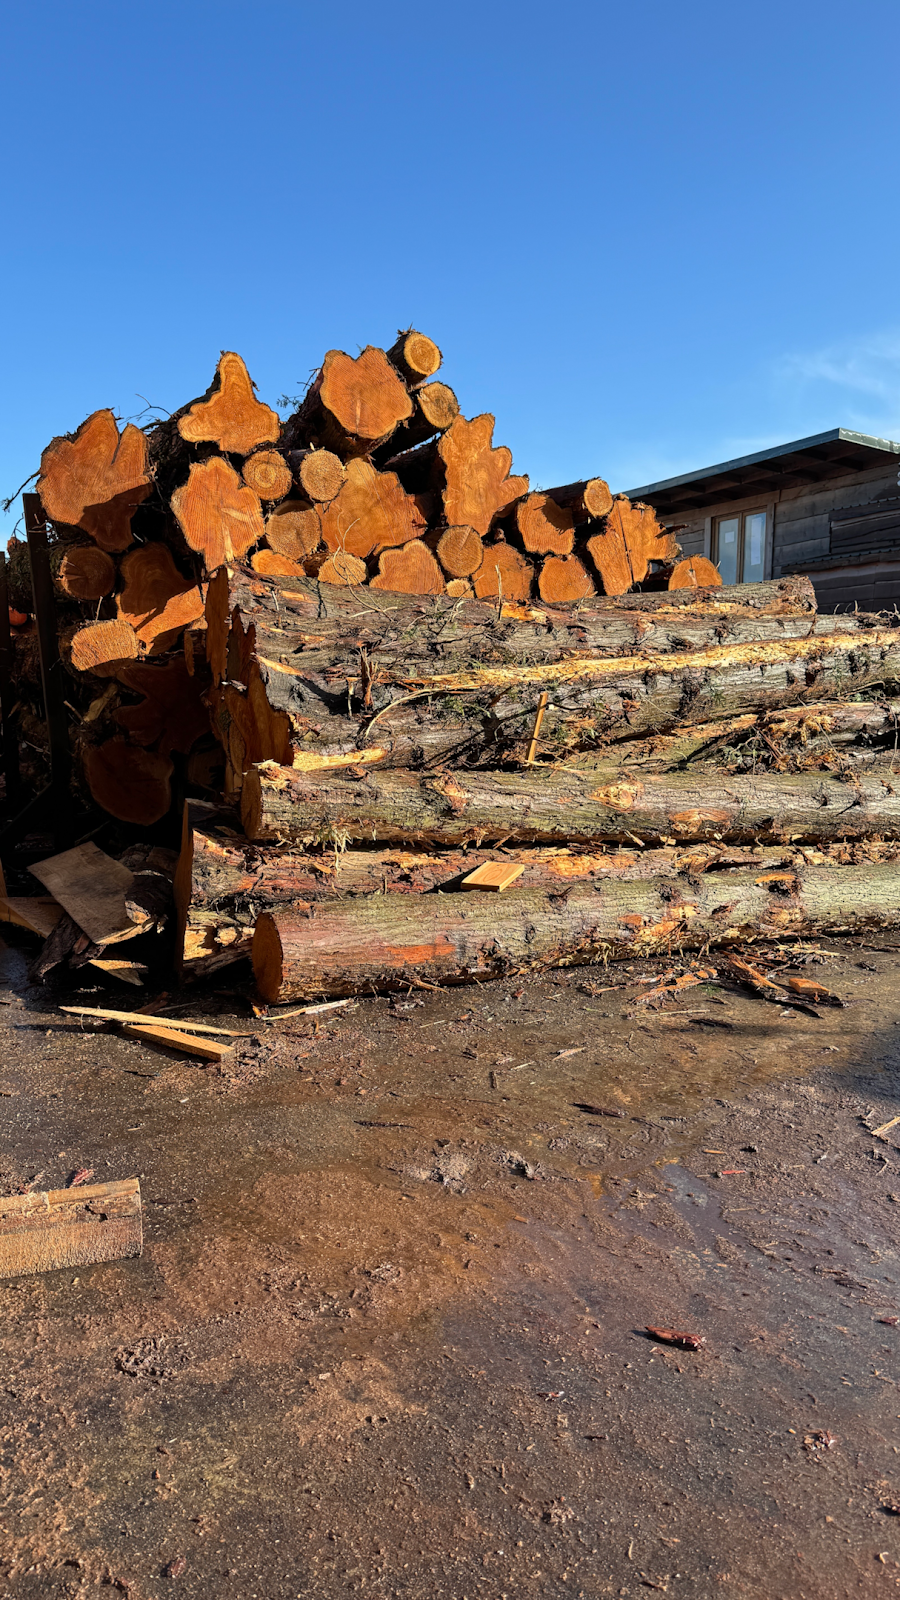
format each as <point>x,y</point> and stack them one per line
<point>389,658</point>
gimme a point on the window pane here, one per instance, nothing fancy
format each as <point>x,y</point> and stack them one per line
<point>727,549</point>
<point>754,547</point>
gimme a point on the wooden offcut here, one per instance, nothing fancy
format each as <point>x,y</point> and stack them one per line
<point>185,1044</point>
<point>494,875</point>
<point>77,1227</point>
<point>91,887</point>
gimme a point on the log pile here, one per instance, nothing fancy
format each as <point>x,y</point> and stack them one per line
<point>358,656</point>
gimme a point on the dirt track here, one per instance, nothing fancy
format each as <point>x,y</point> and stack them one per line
<point>386,1336</point>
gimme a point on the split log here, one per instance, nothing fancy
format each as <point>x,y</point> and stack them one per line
<point>410,570</point>
<point>229,414</point>
<point>415,356</point>
<point>436,407</point>
<point>564,579</point>
<point>382,942</point>
<point>477,482</point>
<point>630,540</point>
<point>171,714</point>
<point>547,806</point>
<point>129,783</point>
<point>157,601</point>
<point>219,516</point>
<point>321,474</point>
<point>694,572</point>
<point>372,511</point>
<point>294,529</point>
<point>460,552</point>
<point>95,478</point>
<point>545,527</point>
<point>354,404</point>
<point>100,645</point>
<point>268,475</point>
<point>587,501</point>
<point>503,572</point>
<point>86,572</point>
<point>344,570</point>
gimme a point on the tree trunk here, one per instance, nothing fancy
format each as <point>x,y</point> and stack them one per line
<point>96,478</point>
<point>386,941</point>
<point>485,715</point>
<point>86,572</point>
<point>545,527</point>
<point>219,516</point>
<point>157,600</point>
<point>477,484</point>
<point>415,356</point>
<point>546,806</point>
<point>354,404</point>
<point>320,472</point>
<point>694,572</point>
<point>410,570</point>
<point>630,539</point>
<point>504,573</point>
<point>371,512</point>
<point>564,579</point>
<point>268,475</point>
<point>460,552</point>
<point>436,407</point>
<point>294,529</point>
<point>229,415</point>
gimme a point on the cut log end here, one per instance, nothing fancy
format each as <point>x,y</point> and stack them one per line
<point>503,572</point>
<point>230,415</point>
<point>268,958</point>
<point>219,516</point>
<point>630,540</point>
<point>597,497</point>
<point>545,527</point>
<point>364,394</point>
<point>695,572</point>
<point>460,552</point>
<point>100,645</point>
<point>86,573</point>
<point>157,600</point>
<point>477,482</point>
<point>129,783</point>
<point>271,564</point>
<point>411,569</point>
<point>321,475</point>
<point>373,510</point>
<point>294,530</point>
<point>438,405</point>
<point>564,579</point>
<point>268,475</point>
<point>415,355</point>
<point>349,572</point>
<point>95,479</point>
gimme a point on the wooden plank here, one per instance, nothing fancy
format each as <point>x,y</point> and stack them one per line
<point>187,1044</point>
<point>135,1016</point>
<point>91,887</point>
<point>38,913</point>
<point>70,1227</point>
<point>495,875</point>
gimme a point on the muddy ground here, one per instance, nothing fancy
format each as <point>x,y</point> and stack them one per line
<point>387,1333</point>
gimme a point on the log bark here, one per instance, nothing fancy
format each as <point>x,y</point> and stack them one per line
<point>477,483</point>
<point>547,806</point>
<point>564,579</point>
<point>694,572</point>
<point>268,475</point>
<point>588,501</point>
<point>86,572</point>
<point>545,527</point>
<point>382,942</point>
<point>219,516</point>
<point>229,414</point>
<point>157,600</point>
<point>415,356</point>
<point>354,404</point>
<point>630,539</point>
<point>96,478</point>
<point>371,512</point>
<point>294,529</point>
<point>460,552</point>
<point>410,570</point>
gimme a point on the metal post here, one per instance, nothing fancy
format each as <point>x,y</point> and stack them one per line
<point>51,666</point>
<point>9,744</point>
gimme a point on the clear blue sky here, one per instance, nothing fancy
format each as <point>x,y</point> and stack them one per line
<point>647,237</point>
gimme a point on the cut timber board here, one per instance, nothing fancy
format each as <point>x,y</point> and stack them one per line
<point>38,913</point>
<point>495,875</point>
<point>106,1015</point>
<point>70,1227</point>
<point>91,887</point>
<point>187,1044</point>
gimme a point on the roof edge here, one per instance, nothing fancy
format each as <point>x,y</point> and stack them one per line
<point>833,436</point>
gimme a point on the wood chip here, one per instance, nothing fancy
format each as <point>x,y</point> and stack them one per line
<point>494,875</point>
<point>879,1132</point>
<point>128,971</point>
<point>187,1044</point>
<point>70,1227</point>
